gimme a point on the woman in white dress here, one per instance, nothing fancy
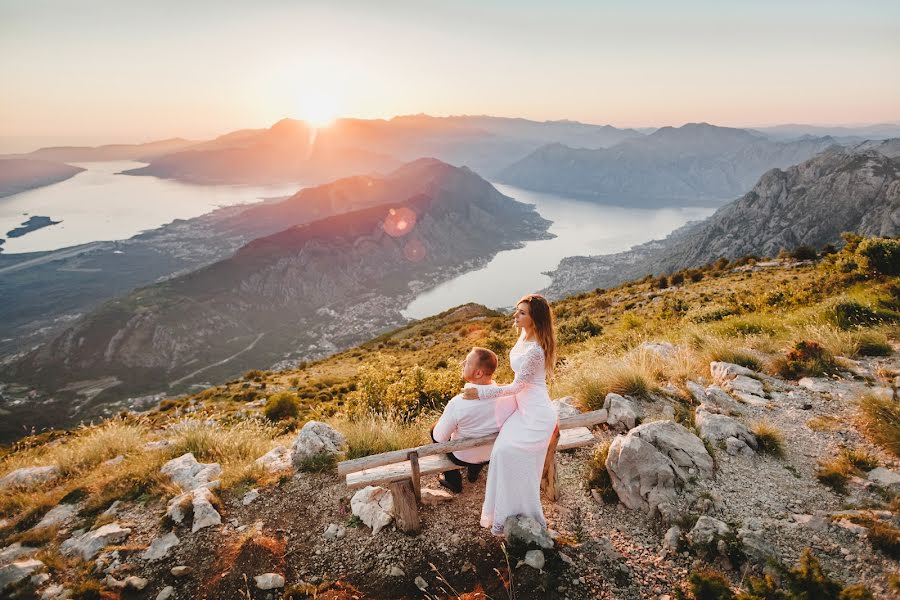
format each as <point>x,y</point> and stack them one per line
<point>517,460</point>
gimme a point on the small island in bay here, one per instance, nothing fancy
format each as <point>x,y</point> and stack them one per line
<point>32,224</point>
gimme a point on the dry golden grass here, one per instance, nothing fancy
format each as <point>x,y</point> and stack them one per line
<point>769,438</point>
<point>824,423</point>
<point>375,433</point>
<point>879,420</point>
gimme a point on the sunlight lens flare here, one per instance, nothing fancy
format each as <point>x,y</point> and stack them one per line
<point>399,221</point>
<point>318,110</point>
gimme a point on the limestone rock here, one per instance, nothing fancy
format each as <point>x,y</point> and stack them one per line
<point>15,552</point>
<point>756,547</point>
<point>716,427</point>
<point>135,583</point>
<point>565,407</point>
<point>707,532</point>
<point>672,539</point>
<point>166,593</point>
<point>269,581</point>
<point>250,496</point>
<point>374,506</point>
<point>645,464</point>
<point>526,531</point>
<point>334,531</point>
<point>316,438</point>
<point>664,350</point>
<point>276,459</point>
<point>15,572</point>
<point>189,474</point>
<point>713,398</point>
<point>433,496</point>
<point>181,571</point>
<point>88,544</point>
<point>622,414</point>
<point>885,478</point>
<point>396,571</point>
<point>420,583</point>
<point>57,515</point>
<point>736,447</point>
<point>28,477</point>
<point>534,559</point>
<point>205,514</point>
<point>723,372</point>
<point>157,445</point>
<point>160,547</point>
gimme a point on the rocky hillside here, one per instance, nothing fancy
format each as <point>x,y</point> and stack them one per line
<point>741,434</point>
<point>20,174</point>
<point>304,292</point>
<point>146,151</point>
<point>690,165</point>
<point>808,204</point>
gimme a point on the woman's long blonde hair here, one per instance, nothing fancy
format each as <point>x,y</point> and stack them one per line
<point>544,328</point>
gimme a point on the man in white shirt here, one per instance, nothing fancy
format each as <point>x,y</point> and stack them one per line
<point>464,419</point>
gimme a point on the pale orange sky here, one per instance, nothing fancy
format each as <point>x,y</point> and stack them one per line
<point>126,71</point>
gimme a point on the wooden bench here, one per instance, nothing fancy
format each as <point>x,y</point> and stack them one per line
<point>401,470</point>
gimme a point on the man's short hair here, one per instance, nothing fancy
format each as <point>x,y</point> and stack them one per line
<point>485,360</point>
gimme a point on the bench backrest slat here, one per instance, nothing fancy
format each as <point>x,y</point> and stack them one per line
<point>385,458</point>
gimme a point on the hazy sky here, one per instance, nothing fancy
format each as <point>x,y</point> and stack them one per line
<point>143,69</point>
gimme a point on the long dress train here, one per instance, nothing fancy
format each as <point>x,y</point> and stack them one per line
<point>517,460</point>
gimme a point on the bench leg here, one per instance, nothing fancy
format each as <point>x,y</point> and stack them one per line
<point>406,511</point>
<point>549,478</point>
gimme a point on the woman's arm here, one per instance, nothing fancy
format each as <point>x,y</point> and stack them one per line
<point>533,361</point>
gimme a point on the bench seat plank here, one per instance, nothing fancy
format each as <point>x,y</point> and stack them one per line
<point>438,463</point>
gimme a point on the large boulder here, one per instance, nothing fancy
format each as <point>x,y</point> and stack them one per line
<point>316,438</point>
<point>565,407</point>
<point>645,464</point>
<point>57,515</point>
<point>719,428</point>
<point>885,478</point>
<point>707,533</point>
<point>374,506</point>
<point>89,543</point>
<point>15,572</point>
<point>622,415</point>
<point>28,477</point>
<point>189,474</point>
<point>723,372</point>
<point>276,459</point>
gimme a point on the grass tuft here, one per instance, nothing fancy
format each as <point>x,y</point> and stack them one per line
<point>769,438</point>
<point>879,420</point>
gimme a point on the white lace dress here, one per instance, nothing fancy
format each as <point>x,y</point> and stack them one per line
<point>517,460</point>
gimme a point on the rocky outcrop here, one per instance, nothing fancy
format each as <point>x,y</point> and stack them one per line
<point>88,544</point>
<point>28,477</point>
<point>811,203</point>
<point>17,571</point>
<point>189,474</point>
<point>525,531</point>
<point>195,479</point>
<point>622,414</point>
<point>646,464</point>
<point>721,428</point>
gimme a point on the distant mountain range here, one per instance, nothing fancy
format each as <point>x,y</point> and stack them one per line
<point>293,151</point>
<point>20,174</point>
<point>809,204</point>
<point>142,152</point>
<point>697,164</point>
<point>303,292</point>
<point>864,132</point>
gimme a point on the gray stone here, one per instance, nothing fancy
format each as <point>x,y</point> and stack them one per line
<point>814,522</point>
<point>57,515</point>
<point>189,474</point>
<point>622,414</point>
<point>672,539</point>
<point>736,447</point>
<point>664,350</point>
<point>205,514</point>
<point>526,531</point>
<point>885,478</point>
<point>276,459</point>
<point>756,547</point>
<point>396,571</point>
<point>565,407</point>
<point>15,572</point>
<point>181,571</point>
<point>534,559</point>
<point>135,583</point>
<point>15,552</point>
<point>723,371</point>
<point>166,593</point>
<point>751,399</point>
<point>716,428</point>
<point>28,477</point>
<point>334,531</point>
<point>747,385</point>
<point>55,592</point>
<point>374,506</point>
<point>160,547</point>
<point>645,464</point>
<point>706,532</point>
<point>250,496</point>
<point>88,544</point>
<point>316,438</point>
<point>420,583</point>
<point>269,581</point>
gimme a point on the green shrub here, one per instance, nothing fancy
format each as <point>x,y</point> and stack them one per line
<point>713,313</point>
<point>282,405</point>
<point>707,584</point>
<point>806,581</point>
<point>880,256</point>
<point>579,330</point>
<point>382,388</point>
<point>496,345</point>
<point>804,253</point>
